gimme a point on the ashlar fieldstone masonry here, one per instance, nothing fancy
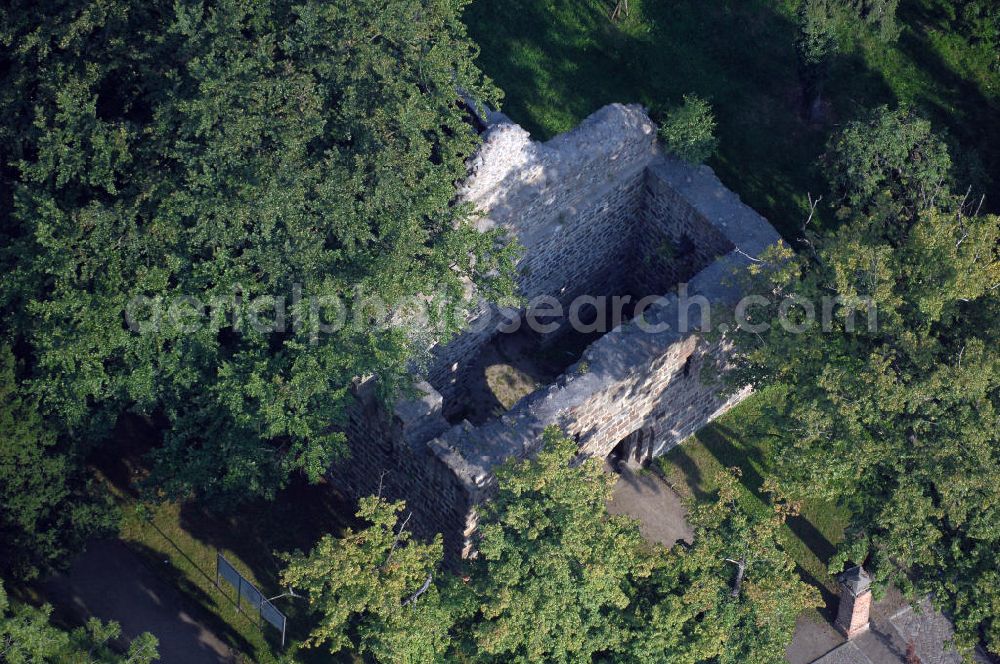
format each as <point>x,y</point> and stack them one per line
<point>599,210</point>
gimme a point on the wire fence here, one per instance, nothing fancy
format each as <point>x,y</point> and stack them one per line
<point>266,612</point>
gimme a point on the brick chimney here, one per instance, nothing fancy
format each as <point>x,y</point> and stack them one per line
<point>855,602</point>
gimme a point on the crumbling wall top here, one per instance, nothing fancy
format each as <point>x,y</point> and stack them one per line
<point>510,167</point>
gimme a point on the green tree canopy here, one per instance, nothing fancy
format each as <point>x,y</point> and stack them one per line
<point>688,130</point>
<point>27,637</point>
<point>230,152</point>
<point>374,589</point>
<point>558,579</point>
<point>896,415</point>
<point>46,512</point>
<point>555,572</point>
<point>892,158</point>
<point>733,595</point>
<point>880,15</point>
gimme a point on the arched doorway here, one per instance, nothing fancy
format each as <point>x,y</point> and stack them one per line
<point>634,449</point>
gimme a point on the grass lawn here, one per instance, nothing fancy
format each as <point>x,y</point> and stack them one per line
<point>743,438</point>
<point>558,61</point>
<point>180,540</point>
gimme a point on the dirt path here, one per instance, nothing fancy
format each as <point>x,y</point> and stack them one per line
<point>660,511</point>
<point>110,582</point>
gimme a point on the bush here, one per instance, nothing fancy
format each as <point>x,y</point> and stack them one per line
<point>688,130</point>
<point>890,155</point>
<point>880,15</point>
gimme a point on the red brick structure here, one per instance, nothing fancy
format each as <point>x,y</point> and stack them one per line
<point>855,602</point>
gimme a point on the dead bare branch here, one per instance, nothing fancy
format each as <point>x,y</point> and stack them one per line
<point>413,598</point>
<point>741,567</point>
<point>621,7</point>
<point>746,255</point>
<point>395,543</point>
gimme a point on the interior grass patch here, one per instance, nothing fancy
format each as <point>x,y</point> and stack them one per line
<point>509,384</point>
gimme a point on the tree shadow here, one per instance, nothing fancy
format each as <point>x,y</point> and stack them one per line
<point>199,599</point>
<point>972,122</point>
<point>720,440</point>
<point>255,531</point>
<point>692,474</point>
<point>723,443</point>
<point>258,532</point>
<point>817,542</point>
<point>561,61</point>
<point>122,459</point>
<point>128,582</point>
<point>543,56</point>
<point>830,600</point>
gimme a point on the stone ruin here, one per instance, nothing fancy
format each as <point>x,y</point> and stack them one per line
<point>599,211</point>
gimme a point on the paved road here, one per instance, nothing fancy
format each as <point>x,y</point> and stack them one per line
<point>110,582</point>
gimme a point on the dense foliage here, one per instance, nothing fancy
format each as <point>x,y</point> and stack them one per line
<point>823,27</point>
<point>890,158</point>
<point>555,572</point>
<point>173,171</point>
<point>895,408</point>
<point>46,511</point>
<point>557,579</point>
<point>373,589</point>
<point>28,637</point>
<point>880,14</point>
<point>219,159</point>
<point>688,130</point>
<point>732,596</point>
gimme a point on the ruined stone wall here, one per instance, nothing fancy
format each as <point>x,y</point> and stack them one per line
<point>589,222</point>
<point>570,202</point>
<point>651,382</point>
<point>672,239</point>
<point>390,457</point>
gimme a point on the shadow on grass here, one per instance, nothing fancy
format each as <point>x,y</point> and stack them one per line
<point>724,444</point>
<point>812,537</point>
<point>559,61</point>
<point>692,473</point>
<point>298,516</point>
<point>551,59</point>
<point>957,105</point>
<point>254,531</point>
<point>830,600</point>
